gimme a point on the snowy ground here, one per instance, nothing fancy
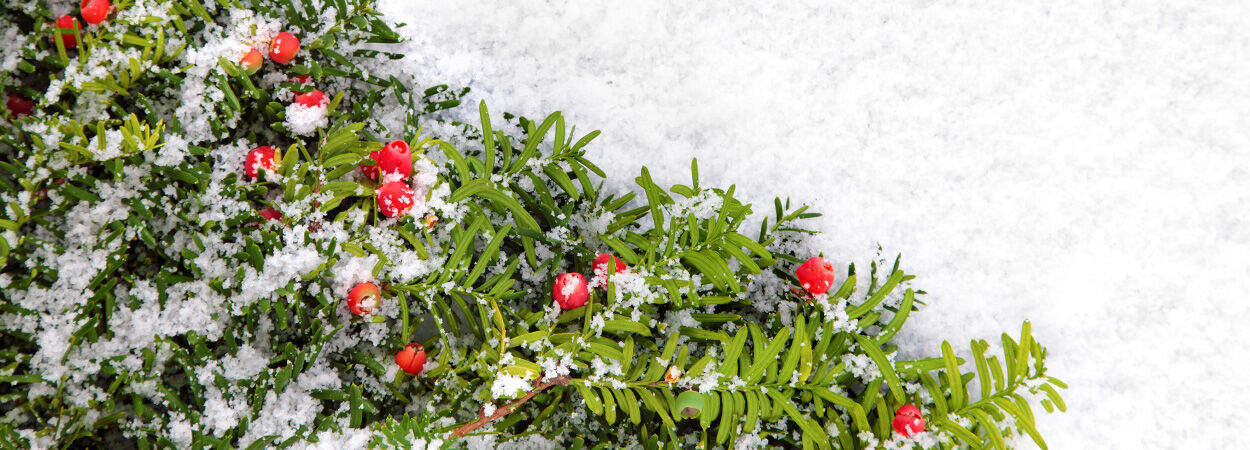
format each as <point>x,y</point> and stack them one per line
<point>1081,164</point>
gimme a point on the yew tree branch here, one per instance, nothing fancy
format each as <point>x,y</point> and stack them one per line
<point>507,409</point>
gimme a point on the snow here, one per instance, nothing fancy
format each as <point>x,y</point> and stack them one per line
<point>305,120</point>
<point>508,386</point>
<point>1082,165</point>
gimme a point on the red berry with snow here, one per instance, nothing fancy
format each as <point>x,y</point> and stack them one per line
<point>283,48</point>
<point>270,214</point>
<point>94,11</point>
<point>259,158</point>
<point>907,425</point>
<point>66,25</point>
<point>311,99</point>
<point>251,61</point>
<point>395,157</point>
<point>395,198</point>
<point>364,299</point>
<point>569,290</point>
<point>411,358</point>
<point>603,267</point>
<point>19,106</point>
<point>301,79</point>
<point>816,275</point>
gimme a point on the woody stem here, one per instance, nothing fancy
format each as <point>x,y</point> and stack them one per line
<point>507,409</point>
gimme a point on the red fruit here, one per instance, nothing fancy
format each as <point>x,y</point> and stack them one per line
<point>94,11</point>
<point>301,79</point>
<point>411,358</point>
<point>311,99</point>
<point>601,266</point>
<point>364,298</point>
<point>816,275</point>
<point>251,61</point>
<point>395,198</point>
<point>270,214</point>
<point>19,106</point>
<point>283,48</point>
<point>371,172</point>
<point>259,158</point>
<point>569,290</point>
<point>908,410</point>
<point>395,157</point>
<point>66,25</point>
<point>908,425</point>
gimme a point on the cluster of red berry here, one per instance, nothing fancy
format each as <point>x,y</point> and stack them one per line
<point>282,50</point>
<point>816,276</point>
<point>262,157</point>
<point>394,197</point>
<point>92,11</point>
<point>363,300</point>
<point>570,289</point>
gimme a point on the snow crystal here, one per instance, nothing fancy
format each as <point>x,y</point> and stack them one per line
<point>556,367</point>
<point>529,442</point>
<point>351,438</point>
<point>508,386</point>
<point>305,120</point>
<point>708,381</point>
<point>751,441</point>
<point>284,413</point>
<point>861,366</point>
<point>218,415</point>
<point>245,364</point>
<point>10,55</point>
<point>351,270</point>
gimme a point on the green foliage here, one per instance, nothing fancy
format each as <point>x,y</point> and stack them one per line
<point>147,304</point>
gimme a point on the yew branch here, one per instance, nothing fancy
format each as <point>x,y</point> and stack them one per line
<point>507,409</point>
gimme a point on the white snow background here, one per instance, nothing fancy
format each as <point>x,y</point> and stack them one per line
<point>1080,164</point>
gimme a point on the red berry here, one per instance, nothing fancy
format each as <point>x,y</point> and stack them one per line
<point>66,25</point>
<point>259,158</point>
<point>283,48</point>
<point>371,172</point>
<point>94,11</point>
<point>270,214</point>
<point>908,425</point>
<point>311,99</point>
<point>395,157</point>
<point>908,410</point>
<point>395,198</point>
<point>364,298</point>
<point>411,358</point>
<point>601,266</point>
<point>301,79</point>
<point>19,106</point>
<point>816,275</point>
<point>569,290</point>
<point>251,61</point>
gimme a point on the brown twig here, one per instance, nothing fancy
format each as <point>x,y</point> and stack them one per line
<point>506,409</point>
